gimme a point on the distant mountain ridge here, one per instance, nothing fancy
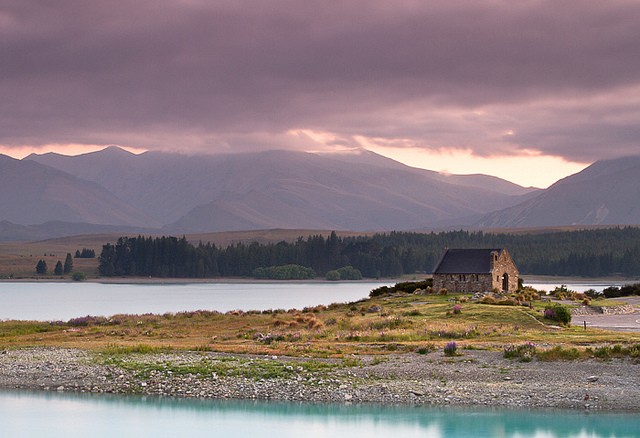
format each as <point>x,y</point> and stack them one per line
<point>32,193</point>
<point>284,189</point>
<point>605,193</point>
<point>361,191</point>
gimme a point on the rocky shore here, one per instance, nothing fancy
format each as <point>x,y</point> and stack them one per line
<point>476,377</point>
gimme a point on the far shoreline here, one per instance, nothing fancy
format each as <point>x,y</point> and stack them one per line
<point>545,279</point>
<point>159,280</point>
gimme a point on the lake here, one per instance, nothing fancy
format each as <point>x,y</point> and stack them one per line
<point>82,415</point>
<point>63,301</point>
<point>578,286</point>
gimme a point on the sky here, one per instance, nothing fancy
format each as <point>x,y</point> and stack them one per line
<point>527,90</point>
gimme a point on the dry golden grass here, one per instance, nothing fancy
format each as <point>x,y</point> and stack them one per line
<point>402,324</point>
<point>18,260</point>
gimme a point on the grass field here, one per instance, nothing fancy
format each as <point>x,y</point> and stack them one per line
<point>374,326</point>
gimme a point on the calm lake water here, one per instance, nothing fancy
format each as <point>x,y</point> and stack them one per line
<point>63,301</point>
<point>78,415</point>
<point>576,286</point>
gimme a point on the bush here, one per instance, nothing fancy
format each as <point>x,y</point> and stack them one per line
<point>523,352</point>
<point>559,313</point>
<point>558,353</point>
<point>592,293</point>
<point>624,291</point>
<point>349,273</point>
<point>78,276</point>
<point>285,272</point>
<point>457,309</point>
<point>332,276</point>
<point>450,349</point>
<point>425,349</point>
<point>405,286</point>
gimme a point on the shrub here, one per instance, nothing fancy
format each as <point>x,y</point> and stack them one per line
<point>558,353</point>
<point>561,292</point>
<point>332,276</point>
<point>457,309</point>
<point>285,272</point>
<point>383,290</point>
<point>592,293</point>
<point>78,276</point>
<point>559,313</point>
<point>488,299</point>
<point>349,273</point>
<point>450,349</point>
<point>406,287</point>
<point>523,352</point>
<point>85,321</point>
<point>425,349</point>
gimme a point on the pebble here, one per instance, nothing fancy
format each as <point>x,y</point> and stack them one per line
<point>400,379</point>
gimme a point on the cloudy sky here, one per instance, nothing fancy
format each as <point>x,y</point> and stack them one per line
<point>528,90</point>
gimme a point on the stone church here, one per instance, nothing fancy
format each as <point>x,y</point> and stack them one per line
<point>476,270</point>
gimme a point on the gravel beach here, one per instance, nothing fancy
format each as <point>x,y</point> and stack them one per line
<point>476,377</point>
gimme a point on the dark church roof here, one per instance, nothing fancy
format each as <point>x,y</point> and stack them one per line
<point>466,261</point>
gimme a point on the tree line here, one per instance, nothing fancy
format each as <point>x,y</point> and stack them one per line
<point>59,269</point>
<point>572,253</point>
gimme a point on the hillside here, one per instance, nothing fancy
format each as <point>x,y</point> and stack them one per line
<point>605,193</point>
<point>32,193</point>
<point>284,189</point>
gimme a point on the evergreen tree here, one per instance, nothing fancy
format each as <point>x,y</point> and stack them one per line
<point>58,270</point>
<point>41,267</point>
<point>68,264</point>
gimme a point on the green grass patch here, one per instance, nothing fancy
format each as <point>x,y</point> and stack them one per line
<point>118,350</point>
<point>21,328</point>
<point>558,353</point>
<point>255,369</point>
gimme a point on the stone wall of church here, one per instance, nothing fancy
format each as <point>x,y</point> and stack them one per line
<point>504,266</point>
<point>462,283</point>
<point>501,265</point>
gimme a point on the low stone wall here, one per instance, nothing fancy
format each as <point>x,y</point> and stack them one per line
<point>608,310</point>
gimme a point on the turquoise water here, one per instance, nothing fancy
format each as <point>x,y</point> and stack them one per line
<point>69,415</point>
<point>63,301</point>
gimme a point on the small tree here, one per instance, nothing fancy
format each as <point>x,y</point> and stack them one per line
<point>78,276</point>
<point>333,276</point>
<point>68,263</point>
<point>41,267</point>
<point>58,270</point>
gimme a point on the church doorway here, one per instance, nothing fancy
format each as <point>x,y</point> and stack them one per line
<point>505,282</point>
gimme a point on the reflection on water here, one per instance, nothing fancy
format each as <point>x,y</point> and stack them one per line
<point>68,415</point>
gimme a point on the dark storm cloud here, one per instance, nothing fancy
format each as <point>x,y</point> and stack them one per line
<point>239,74</point>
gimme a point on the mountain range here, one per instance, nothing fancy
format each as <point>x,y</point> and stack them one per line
<point>605,193</point>
<point>362,191</point>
